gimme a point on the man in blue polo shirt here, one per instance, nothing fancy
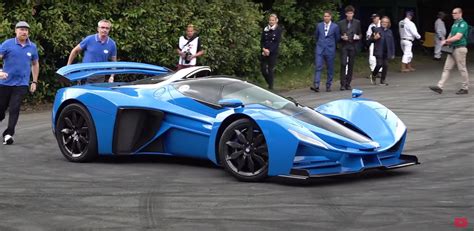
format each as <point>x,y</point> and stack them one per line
<point>97,48</point>
<point>20,59</point>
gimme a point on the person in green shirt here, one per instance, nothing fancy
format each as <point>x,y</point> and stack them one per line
<point>458,40</point>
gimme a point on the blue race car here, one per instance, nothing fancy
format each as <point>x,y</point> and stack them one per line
<point>251,132</point>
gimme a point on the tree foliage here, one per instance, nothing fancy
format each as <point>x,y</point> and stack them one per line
<point>299,19</point>
<point>147,31</point>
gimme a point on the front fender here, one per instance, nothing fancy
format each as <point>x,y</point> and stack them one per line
<point>281,144</point>
<point>101,110</point>
<point>372,118</point>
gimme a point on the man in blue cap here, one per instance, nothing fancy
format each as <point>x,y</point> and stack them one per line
<point>20,59</point>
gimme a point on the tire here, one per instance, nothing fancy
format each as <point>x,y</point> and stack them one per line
<point>76,134</point>
<point>244,154</point>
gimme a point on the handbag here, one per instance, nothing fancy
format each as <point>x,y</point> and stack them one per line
<point>447,49</point>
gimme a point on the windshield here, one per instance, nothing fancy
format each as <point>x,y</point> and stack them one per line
<point>212,90</point>
<point>250,94</point>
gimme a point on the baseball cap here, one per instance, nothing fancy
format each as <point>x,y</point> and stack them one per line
<point>22,24</point>
<point>375,15</point>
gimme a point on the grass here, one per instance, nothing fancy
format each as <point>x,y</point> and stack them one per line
<point>302,76</point>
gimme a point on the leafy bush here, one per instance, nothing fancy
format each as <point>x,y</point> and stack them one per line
<point>145,31</point>
<point>299,19</point>
<point>148,31</point>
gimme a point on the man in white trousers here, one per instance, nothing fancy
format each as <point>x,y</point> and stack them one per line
<point>440,35</point>
<point>375,23</point>
<point>408,33</point>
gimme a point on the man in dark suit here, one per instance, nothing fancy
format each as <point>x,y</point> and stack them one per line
<point>350,36</point>
<point>327,35</point>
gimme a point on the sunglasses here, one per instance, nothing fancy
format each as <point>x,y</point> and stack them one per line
<point>104,27</point>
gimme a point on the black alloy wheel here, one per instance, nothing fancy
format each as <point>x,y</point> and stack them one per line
<point>243,151</point>
<point>76,134</point>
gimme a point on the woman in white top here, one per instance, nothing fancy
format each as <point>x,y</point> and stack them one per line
<point>375,23</point>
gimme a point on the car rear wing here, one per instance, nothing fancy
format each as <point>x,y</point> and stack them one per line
<point>81,71</point>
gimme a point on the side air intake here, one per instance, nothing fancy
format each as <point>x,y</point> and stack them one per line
<point>133,128</point>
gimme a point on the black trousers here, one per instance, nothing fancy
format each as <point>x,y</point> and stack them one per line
<point>11,98</point>
<point>382,62</point>
<point>348,53</point>
<point>267,66</point>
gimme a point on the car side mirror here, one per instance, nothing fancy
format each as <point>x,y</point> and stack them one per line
<point>356,93</point>
<point>233,103</point>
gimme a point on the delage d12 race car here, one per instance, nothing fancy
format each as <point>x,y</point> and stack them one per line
<point>251,132</point>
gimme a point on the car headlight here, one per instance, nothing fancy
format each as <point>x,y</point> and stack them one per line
<point>400,127</point>
<point>308,139</point>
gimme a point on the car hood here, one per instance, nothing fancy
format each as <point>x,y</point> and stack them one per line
<point>330,131</point>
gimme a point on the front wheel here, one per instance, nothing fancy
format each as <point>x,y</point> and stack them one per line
<point>76,135</point>
<point>243,151</point>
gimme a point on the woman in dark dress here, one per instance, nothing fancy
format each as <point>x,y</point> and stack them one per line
<point>269,43</point>
<point>384,49</point>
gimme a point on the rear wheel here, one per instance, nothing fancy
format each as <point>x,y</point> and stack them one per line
<point>76,135</point>
<point>243,151</point>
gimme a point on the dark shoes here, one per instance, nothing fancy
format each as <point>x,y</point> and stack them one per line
<point>346,87</point>
<point>436,89</point>
<point>462,92</point>
<point>439,90</point>
<point>437,59</point>
<point>314,88</point>
<point>383,83</point>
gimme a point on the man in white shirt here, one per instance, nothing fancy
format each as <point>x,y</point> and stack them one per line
<point>408,33</point>
<point>188,48</point>
<point>375,23</point>
<point>440,34</point>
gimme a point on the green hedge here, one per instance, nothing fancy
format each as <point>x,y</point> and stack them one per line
<point>299,19</point>
<point>147,31</point>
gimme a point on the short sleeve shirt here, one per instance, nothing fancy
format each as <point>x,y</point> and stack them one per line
<point>96,50</point>
<point>17,59</point>
<point>199,48</point>
<point>460,26</point>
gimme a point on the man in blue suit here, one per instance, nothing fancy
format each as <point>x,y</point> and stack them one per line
<point>327,35</point>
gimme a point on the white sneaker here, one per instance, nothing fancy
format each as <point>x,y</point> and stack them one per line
<point>8,139</point>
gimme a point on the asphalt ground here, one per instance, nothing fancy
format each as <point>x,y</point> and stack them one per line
<point>40,190</point>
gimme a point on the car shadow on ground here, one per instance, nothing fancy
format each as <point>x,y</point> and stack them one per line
<point>162,159</point>
<point>368,175</point>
